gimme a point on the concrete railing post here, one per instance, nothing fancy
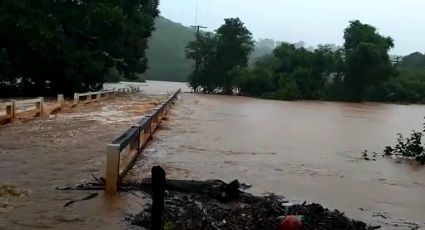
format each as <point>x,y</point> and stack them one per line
<point>76,98</point>
<point>147,132</point>
<point>135,143</point>
<point>98,96</point>
<point>61,100</point>
<point>39,106</point>
<point>88,98</point>
<point>112,169</point>
<point>155,121</point>
<point>11,110</point>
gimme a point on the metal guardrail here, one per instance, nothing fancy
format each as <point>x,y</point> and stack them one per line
<point>122,153</point>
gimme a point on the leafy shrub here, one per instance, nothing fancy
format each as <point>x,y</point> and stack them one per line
<point>409,147</point>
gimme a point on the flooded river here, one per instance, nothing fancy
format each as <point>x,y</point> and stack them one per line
<point>307,151</point>
<point>304,150</point>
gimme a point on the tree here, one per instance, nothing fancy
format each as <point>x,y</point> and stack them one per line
<point>234,45</point>
<point>414,60</point>
<point>220,56</point>
<point>204,51</point>
<point>52,47</point>
<point>367,59</point>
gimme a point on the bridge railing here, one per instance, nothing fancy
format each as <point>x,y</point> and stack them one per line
<point>14,107</point>
<point>122,153</point>
<point>11,109</point>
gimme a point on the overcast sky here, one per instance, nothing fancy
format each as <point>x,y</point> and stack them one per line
<point>312,21</point>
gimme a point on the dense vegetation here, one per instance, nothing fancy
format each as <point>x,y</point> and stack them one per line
<point>360,70</point>
<point>49,47</point>
<point>218,56</point>
<point>166,52</point>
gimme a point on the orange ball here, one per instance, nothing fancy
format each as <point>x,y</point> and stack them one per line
<point>290,223</point>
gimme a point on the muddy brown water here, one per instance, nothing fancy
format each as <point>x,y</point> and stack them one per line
<point>307,151</point>
<point>42,154</point>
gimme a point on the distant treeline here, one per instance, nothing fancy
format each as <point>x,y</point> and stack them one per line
<point>360,70</point>
<point>50,47</point>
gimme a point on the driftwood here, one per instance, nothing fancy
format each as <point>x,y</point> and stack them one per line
<point>215,189</point>
<point>89,197</point>
<point>188,211</point>
<point>203,205</point>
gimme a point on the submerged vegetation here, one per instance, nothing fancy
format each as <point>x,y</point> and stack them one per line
<point>408,147</point>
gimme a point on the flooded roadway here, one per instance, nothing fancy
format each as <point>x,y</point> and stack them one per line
<point>304,150</point>
<point>40,155</point>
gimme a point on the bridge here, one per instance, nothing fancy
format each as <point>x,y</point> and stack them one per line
<point>66,147</point>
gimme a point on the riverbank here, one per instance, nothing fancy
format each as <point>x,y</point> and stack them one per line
<point>371,102</point>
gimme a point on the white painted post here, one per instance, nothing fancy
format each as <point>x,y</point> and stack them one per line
<point>88,98</point>
<point>98,96</point>
<point>39,106</point>
<point>11,110</point>
<point>76,98</point>
<point>61,100</point>
<point>112,168</point>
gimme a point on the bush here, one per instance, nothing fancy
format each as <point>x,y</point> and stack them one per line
<point>410,147</point>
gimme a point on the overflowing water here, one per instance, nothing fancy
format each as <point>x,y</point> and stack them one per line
<point>307,151</point>
<point>304,150</point>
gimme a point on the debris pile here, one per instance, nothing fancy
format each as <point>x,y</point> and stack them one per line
<point>186,211</point>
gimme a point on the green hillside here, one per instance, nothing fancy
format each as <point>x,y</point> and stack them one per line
<point>166,53</point>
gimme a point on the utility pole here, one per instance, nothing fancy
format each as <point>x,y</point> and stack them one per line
<point>198,36</point>
<point>197,47</point>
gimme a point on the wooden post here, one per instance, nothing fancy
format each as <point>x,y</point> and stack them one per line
<point>11,110</point>
<point>112,168</point>
<point>158,194</point>
<point>61,100</point>
<point>76,98</point>
<point>39,106</point>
